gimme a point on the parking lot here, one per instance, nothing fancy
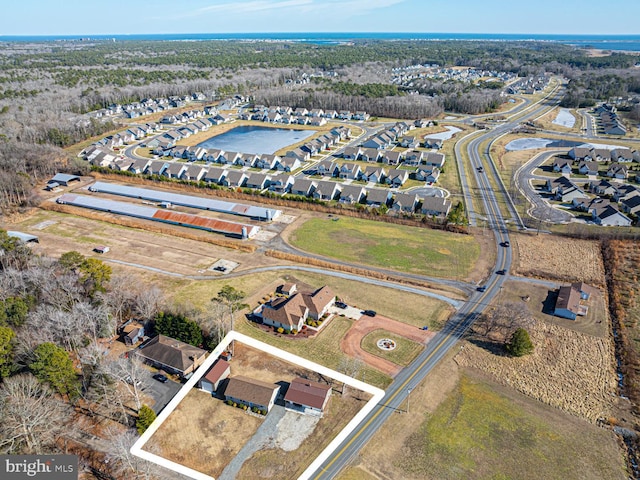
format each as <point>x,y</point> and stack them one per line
<point>161,393</point>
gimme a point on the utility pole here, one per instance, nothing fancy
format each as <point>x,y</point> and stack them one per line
<point>408,395</point>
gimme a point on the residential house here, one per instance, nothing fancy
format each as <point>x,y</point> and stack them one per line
<point>172,355</point>
<point>247,159</point>
<point>373,174</point>
<point>604,187</point>
<point>413,158</point>
<point>194,173</point>
<point>568,303</point>
<point>292,312</point>
<point>251,392</point>
<point>391,157</point>
<point>349,171</point>
<point>288,163</point>
<point>631,205</point>
<point>360,115</point>
<point>316,112</point>
<point>581,153</point>
<point>307,397</point>
<point>434,159</point>
<point>327,191</point>
<point>601,154</point>
<point>220,370</point>
<point>303,186</point>
<point>422,123</point>
<point>622,155</point>
<point>435,206</point>
<point>234,179</point>
<point>397,178</point>
<point>267,161</point>
<point>281,183</point>
<point>228,158</point>
<point>377,143</point>
<point>405,202</point>
<point>435,143</point>
<point>352,153</point>
<point>122,165</point>
<point>317,121</point>
<point>410,142</point>
<point>327,168</point>
<point>139,166</point>
<point>607,214</point>
<point>351,194</point>
<point>563,166</point>
<point>259,181</point>
<point>586,167</point>
<point>298,154</point>
<point>174,170</point>
<point>156,167</point>
<point>378,197</point>
<point>215,175</point>
<point>427,174</point>
<point>564,189</point>
<point>344,115</point>
<point>132,332</point>
<point>371,155</point>
<point>617,170</point>
<point>330,114</point>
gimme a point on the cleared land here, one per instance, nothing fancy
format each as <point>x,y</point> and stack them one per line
<point>186,436</point>
<point>398,247</point>
<point>472,428</point>
<point>558,258</point>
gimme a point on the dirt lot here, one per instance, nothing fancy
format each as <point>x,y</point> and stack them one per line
<point>471,427</point>
<point>568,370</point>
<point>558,258</point>
<point>350,343</point>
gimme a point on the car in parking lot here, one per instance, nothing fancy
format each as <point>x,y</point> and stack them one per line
<point>481,289</point>
<point>341,305</point>
<point>160,377</point>
<point>369,313</point>
<point>501,272</point>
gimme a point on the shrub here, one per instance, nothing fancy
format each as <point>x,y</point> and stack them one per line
<point>229,402</point>
<point>280,330</point>
<point>146,416</point>
<point>294,331</point>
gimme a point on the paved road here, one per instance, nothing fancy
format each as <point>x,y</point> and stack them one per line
<point>396,395</point>
<point>540,208</point>
<point>332,273</point>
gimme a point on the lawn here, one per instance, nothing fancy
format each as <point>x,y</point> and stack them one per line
<point>397,247</point>
<point>323,349</point>
<point>404,353</point>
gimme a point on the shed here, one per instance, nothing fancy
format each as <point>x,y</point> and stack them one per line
<point>219,371</point>
<point>23,237</point>
<point>307,397</point>
<point>64,179</point>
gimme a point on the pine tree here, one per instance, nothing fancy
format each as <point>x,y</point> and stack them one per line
<point>520,343</point>
<point>146,416</point>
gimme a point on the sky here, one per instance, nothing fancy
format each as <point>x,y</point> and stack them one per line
<point>99,17</point>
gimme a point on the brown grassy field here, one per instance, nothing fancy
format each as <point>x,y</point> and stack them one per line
<point>204,433</point>
<point>471,427</point>
<point>546,121</point>
<point>558,258</point>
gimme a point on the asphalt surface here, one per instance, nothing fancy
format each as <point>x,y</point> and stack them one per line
<point>540,208</point>
<point>162,393</point>
<point>396,395</point>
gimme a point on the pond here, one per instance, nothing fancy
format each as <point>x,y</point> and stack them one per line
<point>258,140</point>
<point>535,143</point>
<point>451,131</point>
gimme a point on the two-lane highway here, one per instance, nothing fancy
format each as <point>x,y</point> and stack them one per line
<point>459,323</point>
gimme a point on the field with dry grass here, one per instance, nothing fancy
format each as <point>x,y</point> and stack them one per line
<point>471,427</point>
<point>203,433</point>
<point>558,258</point>
<point>567,369</point>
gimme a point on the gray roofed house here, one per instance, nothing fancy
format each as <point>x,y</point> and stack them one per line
<point>391,157</point>
<point>617,170</point>
<point>607,214</point>
<point>351,194</point>
<point>194,173</point>
<point>156,167</point>
<point>405,202</point>
<point>172,355</point>
<point>562,165</point>
<point>215,175</point>
<point>303,186</point>
<point>586,167</point>
<point>281,183</point>
<point>349,171</point>
<point>267,161</point>
<point>251,392</point>
<point>581,153</point>
<point>139,166</point>
<point>373,174</point>
<point>378,197</point>
<point>410,142</point>
<point>370,155</point>
<point>174,170</point>
<point>257,180</point>
<point>352,153</point>
<point>413,158</point>
<point>624,155</point>
<point>326,190</point>
<point>326,168</point>
<point>437,206</point>
<point>288,164</point>
<point>234,179</point>
<point>434,159</point>
<point>397,178</point>
<point>631,205</point>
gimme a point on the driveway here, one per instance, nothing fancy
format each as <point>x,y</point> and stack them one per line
<point>162,393</point>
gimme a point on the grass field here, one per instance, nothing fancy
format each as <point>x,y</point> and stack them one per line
<point>323,349</point>
<point>402,248</point>
<point>403,354</point>
<point>479,432</point>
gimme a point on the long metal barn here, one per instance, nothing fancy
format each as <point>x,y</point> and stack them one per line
<point>160,215</point>
<point>201,203</point>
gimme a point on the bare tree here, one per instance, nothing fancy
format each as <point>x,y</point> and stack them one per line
<point>350,367</point>
<point>148,302</point>
<point>31,416</point>
<point>502,320</point>
<point>133,376</point>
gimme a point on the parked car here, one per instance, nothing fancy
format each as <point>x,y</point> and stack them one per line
<point>161,378</point>
<point>369,313</point>
<point>129,380</point>
<point>481,289</point>
<point>426,327</point>
<point>341,305</point>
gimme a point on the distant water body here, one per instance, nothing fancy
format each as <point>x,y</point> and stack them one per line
<point>604,42</point>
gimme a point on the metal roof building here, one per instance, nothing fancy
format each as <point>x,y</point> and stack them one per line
<point>64,179</point>
<point>23,237</point>
<point>187,200</point>
<point>159,215</point>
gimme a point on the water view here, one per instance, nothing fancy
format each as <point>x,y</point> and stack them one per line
<point>259,140</point>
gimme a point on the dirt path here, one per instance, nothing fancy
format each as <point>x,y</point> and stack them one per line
<point>350,344</point>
